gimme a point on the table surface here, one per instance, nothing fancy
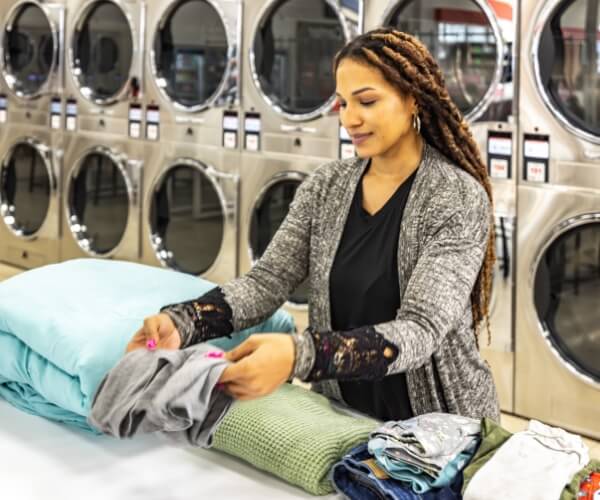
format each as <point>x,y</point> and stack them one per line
<point>40,459</point>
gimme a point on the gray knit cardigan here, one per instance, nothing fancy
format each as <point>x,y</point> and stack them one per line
<point>442,243</point>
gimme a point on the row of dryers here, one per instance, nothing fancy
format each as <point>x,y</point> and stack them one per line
<point>164,84</point>
<point>202,117</point>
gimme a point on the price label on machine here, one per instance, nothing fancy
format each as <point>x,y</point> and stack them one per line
<point>152,123</point>
<point>231,124</point>
<point>499,154</point>
<point>252,128</point>
<point>56,110</point>
<point>3,108</point>
<point>71,115</point>
<point>536,157</point>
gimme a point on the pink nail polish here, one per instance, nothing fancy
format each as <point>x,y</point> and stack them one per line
<point>220,386</point>
<point>214,354</point>
<point>151,344</point>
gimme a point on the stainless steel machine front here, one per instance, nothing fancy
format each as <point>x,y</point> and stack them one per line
<point>190,216</point>
<point>558,287</point>
<point>288,76</point>
<point>192,71</point>
<point>30,195</point>
<point>104,60</point>
<point>102,197</point>
<point>31,58</point>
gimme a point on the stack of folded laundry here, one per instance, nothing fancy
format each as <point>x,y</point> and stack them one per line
<point>411,458</point>
<point>542,462</point>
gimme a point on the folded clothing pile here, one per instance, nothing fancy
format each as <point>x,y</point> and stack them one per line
<point>64,326</point>
<point>419,457</point>
<point>542,462</point>
<point>294,433</point>
<point>426,451</point>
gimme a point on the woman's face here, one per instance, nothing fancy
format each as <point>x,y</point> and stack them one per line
<point>374,113</point>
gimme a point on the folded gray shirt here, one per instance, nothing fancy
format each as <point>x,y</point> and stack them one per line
<point>172,392</point>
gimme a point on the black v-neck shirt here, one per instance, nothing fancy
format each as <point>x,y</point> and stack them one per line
<point>364,291</point>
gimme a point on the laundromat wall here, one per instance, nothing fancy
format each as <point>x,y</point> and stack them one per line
<point>176,132</point>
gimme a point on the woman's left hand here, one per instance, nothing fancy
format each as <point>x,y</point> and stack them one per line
<point>260,365</point>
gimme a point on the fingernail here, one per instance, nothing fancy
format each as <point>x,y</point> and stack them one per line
<point>214,354</point>
<point>151,344</point>
<point>220,386</point>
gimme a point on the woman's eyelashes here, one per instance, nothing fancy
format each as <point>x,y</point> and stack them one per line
<point>362,103</point>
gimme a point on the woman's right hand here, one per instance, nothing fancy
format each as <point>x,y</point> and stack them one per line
<point>158,328</point>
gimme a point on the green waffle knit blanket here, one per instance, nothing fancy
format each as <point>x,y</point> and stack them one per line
<point>294,433</point>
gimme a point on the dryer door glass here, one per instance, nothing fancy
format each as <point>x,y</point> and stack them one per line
<point>28,50</point>
<point>460,37</point>
<point>103,51</point>
<point>569,63</point>
<point>567,291</point>
<point>98,200</point>
<point>268,214</point>
<point>190,53</point>
<point>294,48</point>
<point>187,220</point>
<point>24,190</point>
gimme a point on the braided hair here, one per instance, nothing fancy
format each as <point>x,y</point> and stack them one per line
<point>406,63</point>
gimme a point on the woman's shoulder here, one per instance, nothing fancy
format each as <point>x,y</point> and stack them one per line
<point>332,175</point>
<point>453,185</point>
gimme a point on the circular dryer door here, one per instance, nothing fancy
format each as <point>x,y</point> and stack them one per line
<point>292,56</point>
<point>566,291</point>
<point>29,47</point>
<point>102,51</point>
<point>190,53</point>
<point>269,211</point>
<point>187,218</point>
<point>99,194</point>
<point>26,184</point>
<point>464,37</point>
<point>567,65</point>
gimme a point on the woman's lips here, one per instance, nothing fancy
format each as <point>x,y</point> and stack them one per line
<point>359,138</point>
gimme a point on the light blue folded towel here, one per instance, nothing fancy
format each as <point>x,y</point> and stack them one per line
<point>64,326</point>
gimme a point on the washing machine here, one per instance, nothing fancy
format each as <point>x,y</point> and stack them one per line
<point>102,196</point>
<point>104,66</point>
<point>192,72</point>
<point>473,41</point>
<point>30,194</point>
<point>289,85</point>
<point>190,214</point>
<point>31,60</point>
<point>269,184</point>
<point>558,236</point>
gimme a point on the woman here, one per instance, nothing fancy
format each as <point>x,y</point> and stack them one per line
<point>396,244</point>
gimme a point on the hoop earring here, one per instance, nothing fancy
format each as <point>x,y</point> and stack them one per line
<point>417,123</point>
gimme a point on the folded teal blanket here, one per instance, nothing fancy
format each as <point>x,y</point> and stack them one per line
<point>64,326</point>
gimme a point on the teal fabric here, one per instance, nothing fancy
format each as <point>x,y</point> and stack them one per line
<point>62,327</point>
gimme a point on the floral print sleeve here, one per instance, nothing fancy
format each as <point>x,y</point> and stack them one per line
<point>361,353</point>
<point>202,319</point>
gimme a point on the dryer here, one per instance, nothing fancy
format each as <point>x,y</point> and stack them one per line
<point>288,76</point>
<point>192,71</point>
<point>31,55</point>
<point>30,195</point>
<point>190,215</point>
<point>558,287</point>
<point>102,196</point>
<point>473,41</point>
<point>104,65</point>
<point>269,184</point>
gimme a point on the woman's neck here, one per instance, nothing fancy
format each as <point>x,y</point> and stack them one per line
<point>400,161</point>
